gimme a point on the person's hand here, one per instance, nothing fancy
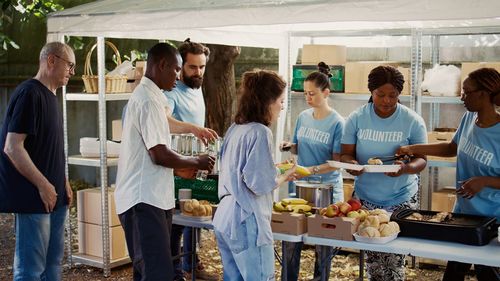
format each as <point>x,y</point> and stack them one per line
<point>402,169</point>
<point>49,196</point>
<point>187,173</point>
<point>69,193</point>
<point>354,172</point>
<point>205,134</point>
<point>206,162</point>
<point>404,150</point>
<point>285,146</point>
<point>290,174</point>
<point>470,187</point>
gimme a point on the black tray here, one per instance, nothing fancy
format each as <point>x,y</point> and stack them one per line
<point>461,228</point>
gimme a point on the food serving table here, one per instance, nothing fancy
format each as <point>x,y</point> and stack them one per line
<point>485,255</point>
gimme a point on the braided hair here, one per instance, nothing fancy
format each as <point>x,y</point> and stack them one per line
<point>488,79</point>
<point>382,75</point>
<point>321,78</point>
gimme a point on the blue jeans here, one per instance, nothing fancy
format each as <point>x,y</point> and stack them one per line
<point>39,246</point>
<point>242,259</point>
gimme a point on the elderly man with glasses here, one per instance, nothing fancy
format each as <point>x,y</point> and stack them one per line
<point>33,184</point>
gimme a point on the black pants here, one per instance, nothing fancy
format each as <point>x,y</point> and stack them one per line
<point>456,271</point>
<point>147,231</point>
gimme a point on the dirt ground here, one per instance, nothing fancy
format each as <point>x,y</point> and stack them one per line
<point>344,266</point>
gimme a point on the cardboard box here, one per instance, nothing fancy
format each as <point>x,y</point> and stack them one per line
<point>89,207</point>
<point>443,200</point>
<point>348,189</point>
<point>289,223</point>
<point>90,241</point>
<point>329,54</point>
<point>356,76</point>
<point>141,65</point>
<point>433,137</point>
<point>116,130</point>
<point>340,228</point>
<point>468,67</point>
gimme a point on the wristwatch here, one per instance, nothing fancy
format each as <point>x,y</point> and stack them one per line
<point>315,170</point>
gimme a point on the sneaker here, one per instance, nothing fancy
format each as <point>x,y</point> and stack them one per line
<point>181,277</point>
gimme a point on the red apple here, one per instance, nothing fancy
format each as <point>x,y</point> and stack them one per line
<point>345,208</point>
<point>355,204</point>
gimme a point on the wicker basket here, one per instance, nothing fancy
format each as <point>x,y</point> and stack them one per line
<point>114,84</point>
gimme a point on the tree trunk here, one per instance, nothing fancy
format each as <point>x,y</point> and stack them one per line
<point>219,87</point>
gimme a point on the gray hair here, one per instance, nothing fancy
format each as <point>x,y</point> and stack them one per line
<point>56,48</point>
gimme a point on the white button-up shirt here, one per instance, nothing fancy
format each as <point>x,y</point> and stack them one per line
<point>139,180</point>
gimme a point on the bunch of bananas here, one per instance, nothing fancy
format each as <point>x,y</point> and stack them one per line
<point>294,205</point>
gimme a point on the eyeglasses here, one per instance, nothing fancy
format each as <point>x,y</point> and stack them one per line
<point>70,64</point>
<point>466,93</point>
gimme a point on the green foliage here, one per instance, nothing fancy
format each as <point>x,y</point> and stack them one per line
<point>23,10</point>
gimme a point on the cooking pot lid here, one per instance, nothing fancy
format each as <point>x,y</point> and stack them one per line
<point>312,185</point>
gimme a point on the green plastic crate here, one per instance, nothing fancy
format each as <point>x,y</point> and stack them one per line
<point>201,190</point>
<point>300,72</point>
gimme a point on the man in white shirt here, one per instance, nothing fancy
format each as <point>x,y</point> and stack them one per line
<point>145,185</point>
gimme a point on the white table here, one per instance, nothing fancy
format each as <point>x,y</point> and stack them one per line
<point>486,255</point>
<point>285,238</point>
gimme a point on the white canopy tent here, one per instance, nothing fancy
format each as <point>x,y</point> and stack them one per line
<point>264,23</point>
<point>281,24</point>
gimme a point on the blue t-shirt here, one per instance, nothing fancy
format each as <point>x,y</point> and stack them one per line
<point>478,154</point>
<point>33,110</point>
<point>376,136</point>
<point>187,104</point>
<point>316,141</point>
<point>248,175</point>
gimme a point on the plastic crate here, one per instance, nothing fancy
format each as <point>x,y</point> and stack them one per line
<point>201,190</point>
<point>300,73</point>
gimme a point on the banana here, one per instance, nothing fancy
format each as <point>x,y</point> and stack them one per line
<point>293,201</point>
<point>278,207</point>
<point>301,170</point>
<point>301,208</point>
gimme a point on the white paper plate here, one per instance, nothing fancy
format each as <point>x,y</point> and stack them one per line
<point>375,240</point>
<point>347,166</point>
<point>381,168</point>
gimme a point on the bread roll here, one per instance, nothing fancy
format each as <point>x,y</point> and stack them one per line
<point>188,206</point>
<point>394,225</point>
<point>372,221</point>
<point>369,232</point>
<point>386,230</point>
<point>378,212</point>
<point>383,218</point>
<point>195,203</point>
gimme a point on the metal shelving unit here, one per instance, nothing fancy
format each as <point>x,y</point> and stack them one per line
<point>416,99</point>
<point>103,162</point>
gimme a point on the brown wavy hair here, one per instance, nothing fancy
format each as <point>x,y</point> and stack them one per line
<point>258,90</point>
<point>488,79</point>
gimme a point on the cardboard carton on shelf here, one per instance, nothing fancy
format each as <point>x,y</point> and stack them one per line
<point>329,54</point>
<point>468,67</point>
<point>289,223</point>
<point>348,189</point>
<point>438,136</point>
<point>356,76</point>
<point>90,241</point>
<point>116,130</point>
<point>90,209</point>
<point>340,228</point>
<point>443,200</point>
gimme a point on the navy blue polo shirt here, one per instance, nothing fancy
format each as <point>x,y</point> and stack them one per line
<point>33,110</point>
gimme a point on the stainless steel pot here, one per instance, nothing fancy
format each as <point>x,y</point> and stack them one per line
<point>320,194</point>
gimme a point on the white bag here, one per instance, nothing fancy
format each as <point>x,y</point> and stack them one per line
<point>442,80</point>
